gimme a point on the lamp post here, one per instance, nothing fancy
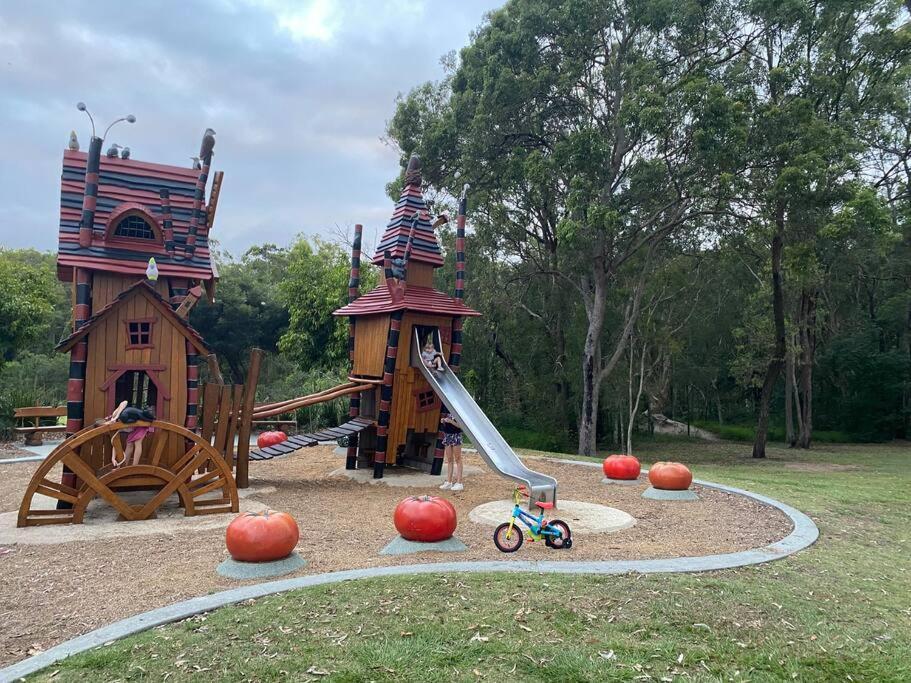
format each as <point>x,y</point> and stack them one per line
<point>129,118</point>
<point>92,165</point>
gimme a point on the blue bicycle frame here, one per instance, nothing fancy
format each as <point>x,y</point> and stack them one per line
<point>537,528</point>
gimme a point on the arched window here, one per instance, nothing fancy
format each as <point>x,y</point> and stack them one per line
<point>134,226</point>
<point>133,222</point>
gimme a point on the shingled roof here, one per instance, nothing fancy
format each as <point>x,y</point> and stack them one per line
<point>141,288</point>
<point>421,299</point>
<point>138,183</point>
<point>395,239</point>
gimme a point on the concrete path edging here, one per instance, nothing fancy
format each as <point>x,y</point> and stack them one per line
<point>804,534</point>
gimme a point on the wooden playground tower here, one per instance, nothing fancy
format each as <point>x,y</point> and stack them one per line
<point>406,409</point>
<point>131,340</point>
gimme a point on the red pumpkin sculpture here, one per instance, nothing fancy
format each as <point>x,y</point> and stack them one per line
<point>624,467</point>
<point>267,439</point>
<point>670,476</point>
<point>262,536</point>
<point>425,518</point>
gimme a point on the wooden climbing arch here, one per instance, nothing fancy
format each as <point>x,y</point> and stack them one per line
<point>200,477</point>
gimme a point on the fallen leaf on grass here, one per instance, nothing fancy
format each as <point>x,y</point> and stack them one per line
<point>314,671</point>
<point>477,636</point>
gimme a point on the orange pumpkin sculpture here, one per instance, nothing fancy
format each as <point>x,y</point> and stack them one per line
<point>624,467</point>
<point>267,439</point>
<point>262,536</point>
<point>670,476</point>
<point>425,518</point>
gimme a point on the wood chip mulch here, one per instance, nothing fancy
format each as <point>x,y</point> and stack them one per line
<point>54,592</point>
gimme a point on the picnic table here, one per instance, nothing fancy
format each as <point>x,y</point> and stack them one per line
<point>34,415</point>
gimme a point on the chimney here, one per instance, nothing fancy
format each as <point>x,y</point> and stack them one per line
<point>90,196</point>
<point>460,245</point>
<point>198,214</point>
<point>167,222</point>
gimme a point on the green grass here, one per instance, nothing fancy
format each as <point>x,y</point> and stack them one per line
<point>839,611</point>
<point>747,432</point>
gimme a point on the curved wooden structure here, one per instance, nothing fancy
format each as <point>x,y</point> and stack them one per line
<point>201,478</point>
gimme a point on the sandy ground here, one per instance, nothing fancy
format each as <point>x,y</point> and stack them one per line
<point>57,591</point>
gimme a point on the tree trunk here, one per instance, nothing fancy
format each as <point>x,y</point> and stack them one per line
<point>591,369</point>
<point>807,358</point>
<point>790,436</point>
<point>634,404</point>
<point>777,361</point>
<point>718,402</point>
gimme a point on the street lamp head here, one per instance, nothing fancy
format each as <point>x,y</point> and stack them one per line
<point>131,118</point>
<point>80,106</point>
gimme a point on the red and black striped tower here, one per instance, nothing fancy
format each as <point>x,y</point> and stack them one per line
<point>385,408</point>
<point>198,215</point>
<point>455,350</point>
<point>90,194</point>
<point>354,283</point>
<point>75,386</point>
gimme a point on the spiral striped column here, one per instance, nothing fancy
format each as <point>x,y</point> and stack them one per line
<point>192,387</point>
<point>90,194</point>
<point>75,385</point>
<point>198,213</point>
<point>383,414</point>
<point>354,283</point>
<point>455,348</point>
<point>167,222</point>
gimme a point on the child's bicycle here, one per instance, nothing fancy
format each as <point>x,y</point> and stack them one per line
<point>508,537</point>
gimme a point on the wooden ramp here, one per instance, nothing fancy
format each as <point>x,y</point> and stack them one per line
<point>304,440</point>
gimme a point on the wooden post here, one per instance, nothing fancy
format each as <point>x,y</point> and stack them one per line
<point>214,369</point>
<point>242,466</point>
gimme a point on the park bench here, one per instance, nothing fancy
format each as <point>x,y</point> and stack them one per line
<point>34,415</point>
<point>287,426</point>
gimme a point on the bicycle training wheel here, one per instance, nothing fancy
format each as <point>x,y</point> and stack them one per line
<point>564,540</point>
<point>511,544</point>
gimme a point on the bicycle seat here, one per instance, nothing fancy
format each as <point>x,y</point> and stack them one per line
<point>545,505</point>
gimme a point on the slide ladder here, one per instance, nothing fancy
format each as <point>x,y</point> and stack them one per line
<point>490,444</point>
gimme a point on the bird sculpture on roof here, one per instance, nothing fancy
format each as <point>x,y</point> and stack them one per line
<point>152,270</point>
<point>112,151</point>
<point>413,172</point>
<point>125,153</point>
<point>196,163</point>
<point>74,141</point>
<point>208,144</point>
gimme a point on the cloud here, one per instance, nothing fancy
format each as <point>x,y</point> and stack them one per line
<point>298,90</point>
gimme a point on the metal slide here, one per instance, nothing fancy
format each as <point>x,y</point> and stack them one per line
<point>490,444</point>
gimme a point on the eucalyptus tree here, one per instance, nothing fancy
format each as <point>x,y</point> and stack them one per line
<point>591,132</point>
<point>821,72</point>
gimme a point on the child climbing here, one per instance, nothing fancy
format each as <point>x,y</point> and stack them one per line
<point>128,414</point>
<point>432,358</point>
<point>452,452</point>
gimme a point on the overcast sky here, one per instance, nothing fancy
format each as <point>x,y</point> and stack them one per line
<point>298,92</point>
